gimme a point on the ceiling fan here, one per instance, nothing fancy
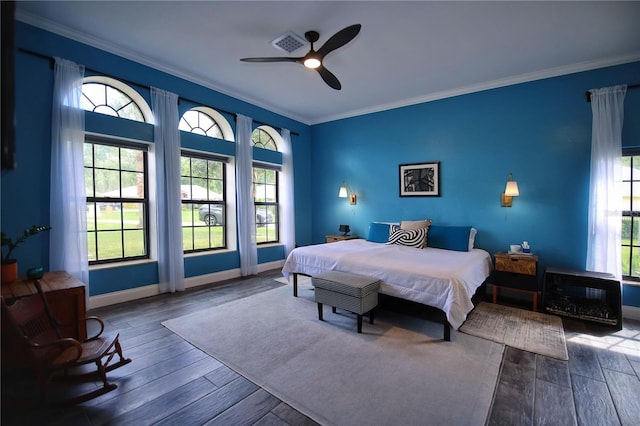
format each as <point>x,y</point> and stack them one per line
<point>313,59</point>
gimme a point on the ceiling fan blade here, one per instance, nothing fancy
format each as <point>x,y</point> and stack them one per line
<point>329,78</point>
<point>339,39</point>
<point>274,59</point>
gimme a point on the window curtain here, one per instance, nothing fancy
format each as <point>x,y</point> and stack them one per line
<point>605,217</point>
<point>288,223</point>
<point>247,246</point>
<point>68,218</point>
<point>169,211</point>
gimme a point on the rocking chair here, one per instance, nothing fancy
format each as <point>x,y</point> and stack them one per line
<point>48,353</point>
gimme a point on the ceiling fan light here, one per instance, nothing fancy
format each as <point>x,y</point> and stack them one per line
<point>312,62</point>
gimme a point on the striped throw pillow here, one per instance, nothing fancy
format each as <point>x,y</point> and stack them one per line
<point>408,237</point>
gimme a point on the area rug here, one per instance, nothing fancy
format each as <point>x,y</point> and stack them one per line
<point>302,280</point>
<point>398,371</point>
<point>530,331</point>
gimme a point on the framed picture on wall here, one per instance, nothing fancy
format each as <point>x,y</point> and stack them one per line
<point>420,180</point>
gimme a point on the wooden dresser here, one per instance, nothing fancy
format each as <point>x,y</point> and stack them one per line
<point>65,295</point>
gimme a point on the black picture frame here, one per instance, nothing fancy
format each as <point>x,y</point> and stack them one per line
<point>420,179</point>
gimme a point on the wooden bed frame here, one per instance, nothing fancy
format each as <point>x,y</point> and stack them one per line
<point>447,327</point>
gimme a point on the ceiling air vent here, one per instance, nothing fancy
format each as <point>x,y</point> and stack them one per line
<point>288,42</point>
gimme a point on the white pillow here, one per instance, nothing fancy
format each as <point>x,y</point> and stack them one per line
<point>472,238</point>
<point>415,224</point>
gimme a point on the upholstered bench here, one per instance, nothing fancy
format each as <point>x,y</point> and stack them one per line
<point>353,293</point>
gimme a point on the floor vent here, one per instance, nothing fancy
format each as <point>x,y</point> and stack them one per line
<point>288,42</point>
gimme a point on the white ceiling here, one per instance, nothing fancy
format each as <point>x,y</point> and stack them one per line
<point>406,53</point>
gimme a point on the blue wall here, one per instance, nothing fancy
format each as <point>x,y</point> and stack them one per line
<point>25,195</point>
<point>539,131</point>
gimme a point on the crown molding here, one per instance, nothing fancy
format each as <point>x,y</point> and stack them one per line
<point>494,84</point>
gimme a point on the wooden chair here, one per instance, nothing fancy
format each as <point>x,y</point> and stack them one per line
<point>52,356</point>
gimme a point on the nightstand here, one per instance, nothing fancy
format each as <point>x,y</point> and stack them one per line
<point>334,238</point>
<point>518,272</point>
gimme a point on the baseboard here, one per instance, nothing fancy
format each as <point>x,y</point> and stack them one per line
<point>154,289</point>
<point>631,312</point>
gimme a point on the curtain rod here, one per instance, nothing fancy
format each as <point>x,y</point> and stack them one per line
<point>629,86</point>
<point>51,60</point>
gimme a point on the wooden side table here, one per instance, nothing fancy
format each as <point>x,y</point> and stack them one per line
<point>66,298</point>
<point>65,295</point>
<point>334,238</point>
<point>517,272</point>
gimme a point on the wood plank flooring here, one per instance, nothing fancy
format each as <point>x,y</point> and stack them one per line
<point>171,382</point>
<point>599,385</point>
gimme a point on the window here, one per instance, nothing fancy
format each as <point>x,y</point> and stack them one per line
<point>205,214</point>
<point>109,100</point>
<point>631,215</point>
<point>265,188</point>
<point>207,122</point>
<point>117,200</point>
<point>262,139</point>
<point>198,122</point>
<point>204,209</point>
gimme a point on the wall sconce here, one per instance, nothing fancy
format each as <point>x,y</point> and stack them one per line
<point>510,191</point>
<point>345,192</point>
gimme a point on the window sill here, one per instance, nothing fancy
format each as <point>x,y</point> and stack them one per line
<point>631,283</point>
<point>209,253</point>
<point>269,245</point>
<point>115,265</point>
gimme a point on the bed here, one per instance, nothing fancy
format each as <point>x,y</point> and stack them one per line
<point>441,278</point>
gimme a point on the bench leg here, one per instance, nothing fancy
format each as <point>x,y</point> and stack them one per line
<point>320,311</point>
<point>295,285</point>
<point>333,309</point>
<point>359,323</point>
<point>371,316</point>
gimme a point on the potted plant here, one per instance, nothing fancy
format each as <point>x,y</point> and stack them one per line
<point>10,265</point>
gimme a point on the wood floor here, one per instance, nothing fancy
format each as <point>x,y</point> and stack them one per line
<point>171,382</point>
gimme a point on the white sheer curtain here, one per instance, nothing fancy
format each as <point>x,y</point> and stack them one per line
<point>605,218</point>
<point>288,223</point>
<point>68,214</point>
<point>247,246</point>
<point>169,214</point>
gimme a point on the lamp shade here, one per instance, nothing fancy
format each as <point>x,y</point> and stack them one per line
<point>343,191</point>
<point>511,189</point>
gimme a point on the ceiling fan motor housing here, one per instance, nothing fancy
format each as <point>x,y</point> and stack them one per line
<point>312,36</point>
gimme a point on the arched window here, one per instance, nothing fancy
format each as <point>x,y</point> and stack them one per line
<point>204,184</point>
<point>200,123</point>
<point>116,176</point>
<point>108,96</point>
<point>261,138</point>
<point>265,187</point>
<point>207,122</point>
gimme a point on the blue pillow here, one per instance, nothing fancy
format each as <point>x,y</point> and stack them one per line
<point>378,232</point>
<point>449,237</point>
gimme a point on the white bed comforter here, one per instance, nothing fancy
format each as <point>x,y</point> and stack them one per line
<point>444,279</point>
